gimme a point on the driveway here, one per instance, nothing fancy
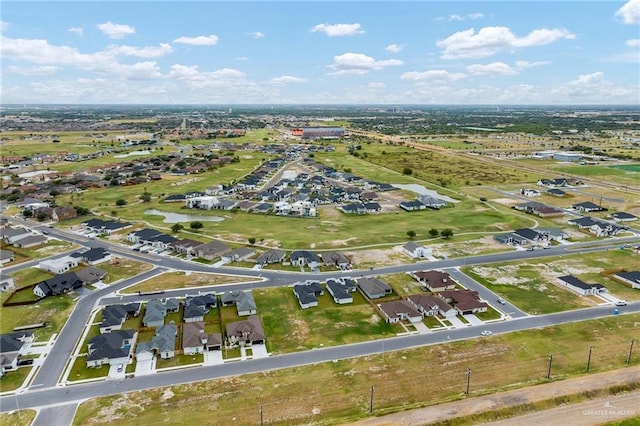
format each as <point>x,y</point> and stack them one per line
<point>213,358</point>
<point>146,367</point>
<point>259,351</point>
<point>473,320</point>
<point>115,374</point>
<point>456,322</point>
<point>421,327</point>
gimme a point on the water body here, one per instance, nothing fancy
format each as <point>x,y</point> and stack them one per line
<point>132,153</point>
<point>419,189</point>
<point>179,217</point>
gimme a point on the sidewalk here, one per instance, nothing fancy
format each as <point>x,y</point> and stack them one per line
<point>497,401</point>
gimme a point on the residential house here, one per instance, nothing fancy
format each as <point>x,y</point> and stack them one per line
<point>271,256</point>
<point>464,301</point>
<point>163,344</point>
<point>530,192</point>
<point>632,278</point>
<point>553,183</point>
<point>6,256</point>
<point>11,235</point>
<point>196,307</point>
<point>588,207</point>
<point>243,300</point>
<point>416,250</point>
<point>530,235</point>
<point>58,284</point>
<point>623,217</point>
<point>431,202</point>
<point>580,287</point>
<point>245,333</point>
<point>157,309</point>
<point>304,257</point>
<point>399,310</point>
<point>195,340</point>
<point>334,258</point>
<point>340,289</point>
<point>111,348</point>
<point>30,241</point>
<point>434,281</point>
<point>59,265</point>
<point>93,256</point>
<point>556,192</point>
<point>601,228</point>
<point>143,236</point>
<point>114,316</point>
<point>6,282</point>
<point>430,305</point>
<point>584,222</point>
<point>62,213</point>
<point>554,234</point>
<point>91,274</point>
<point>104,227</point>
<point>374,288</point>
<point>185,246</point>
<point>241,254</point>
<point>412,205</point>
<point>307,293</point>
<point>12,347</point>
<point>212,250</point>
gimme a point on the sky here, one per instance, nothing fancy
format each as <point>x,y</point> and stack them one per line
<point>321,52</point>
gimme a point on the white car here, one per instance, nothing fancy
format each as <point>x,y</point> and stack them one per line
<point>621,303</point>
<point>486,333</point>
<point>501,301</point>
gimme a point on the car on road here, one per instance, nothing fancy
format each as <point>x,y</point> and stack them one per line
<point>486,333</point>
<point>501,301</point>
<point>621,303</point>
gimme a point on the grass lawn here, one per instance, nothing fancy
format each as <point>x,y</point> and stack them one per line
<point>180,360</point>
<point>403,284</point>
<point>18,418</point>
<point>491,314</point>
<point>80,371</point>
<point>52,310</point>
<point>124,269</point>
<point>290,328</point>
<point>338,392</point>
<point>172,280</point>
<point>29,276</point>
<point>13,379</point>
<point>231,353</point>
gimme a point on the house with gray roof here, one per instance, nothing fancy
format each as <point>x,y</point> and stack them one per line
<point>58,284</point>
<point>374,288</point>
<point>416,250</point>
<point>30,241</point>
<point>304,257</point>
<point>399,310</point>
<point>335,258</point>
<point>243,301</point>
<point>212,250</point>
<point>430,305</point>
<point>580,287</point>
<point>340,289</point>
<point>11,235</point>
<point>631,278</point>
<point>271,256</point>
<point>91,274</point>
<point>157,309</point>
<point>307,293</point>
<point>6,256</point>
<point>196,307</point>
<point>196,341</point>
<point>6,282</point>
<point>12,346</point>
<point>163,344</point>
<point>114,316</point>
<point>245,333</point>
<point>111,348</point>
<point>240,254</point>
<point>434,281</point>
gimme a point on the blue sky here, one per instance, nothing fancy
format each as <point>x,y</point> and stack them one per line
<point>320,52</point>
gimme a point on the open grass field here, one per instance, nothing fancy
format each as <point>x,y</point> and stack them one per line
<point>531,285</point>
<point>52,310</point>
<point>172,280</point>
<point>338,392</point>
<point>12,380</point>
<point>18,418</point>
<point>124,268</point>
<point>290,328</point>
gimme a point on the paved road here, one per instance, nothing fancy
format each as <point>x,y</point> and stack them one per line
<point>59,415</point>
<point>37,397</point>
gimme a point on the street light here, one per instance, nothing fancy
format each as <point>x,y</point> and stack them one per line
<point>589,359</point>
<point>549,369</point>
<point>468,380</point>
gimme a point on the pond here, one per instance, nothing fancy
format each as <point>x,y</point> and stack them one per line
<point>179,217</point>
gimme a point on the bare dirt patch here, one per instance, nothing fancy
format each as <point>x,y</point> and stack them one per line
<point>378,257</point>
<point>506,201</point>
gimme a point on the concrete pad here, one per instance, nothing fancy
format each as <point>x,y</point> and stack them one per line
<point>473,320</point>
<point>213,358</point>
<point>259,351</point>
<point>146,367</point>
<point>456,322</point>
<point>421,327</point>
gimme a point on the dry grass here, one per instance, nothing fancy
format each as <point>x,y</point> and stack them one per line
<point>173,280</point>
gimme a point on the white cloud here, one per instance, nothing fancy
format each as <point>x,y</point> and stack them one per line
<point>495,68</point>
<point>377,85</point>
<point>142,52</point>
<point>191,73</point>
<point>338,30</point>
<point>630,12</point>
<point>284,79</point>
<point>116,31</point>
<point>33,71</point>
<point>594,88</point>
<point>393,48</point>
<point>432,75</point>
<point>526,64</point>
<point>456,17</point>
<point>476,15</point>
<point>4,25</point>
<point>77,31</point>
<point>256,34</point>
<point>490,40</point>
<point>198,41</point>
<point>359,63</point>
<point>634,42</point>
<point>140,71</point>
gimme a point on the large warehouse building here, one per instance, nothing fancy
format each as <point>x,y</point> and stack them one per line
<point>318,132</point>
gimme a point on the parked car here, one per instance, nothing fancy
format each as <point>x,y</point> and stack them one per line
<point>621,303</point>
<point>501,301</point>
<point>486,333</point>
<point>120,368</point>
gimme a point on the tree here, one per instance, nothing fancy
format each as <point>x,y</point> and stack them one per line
<point>41,217</point>
<point>407,171</point>
<point>177,227</point>
<point>433,232</point>
<point>252,240</point>
<point>146,197</point>
<point>121,202</point>
<point>196,225</point>
<point>446,233</point>
<point>411,234</point>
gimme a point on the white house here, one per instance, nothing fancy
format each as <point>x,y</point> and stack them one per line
<point>59,265</point>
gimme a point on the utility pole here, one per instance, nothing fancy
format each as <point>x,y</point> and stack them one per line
<point>468,380</point>
<point>630,349</point>
<point>589,359</point>
<point>371,401</point>
<point>549,369</point>
<point>261,418</point>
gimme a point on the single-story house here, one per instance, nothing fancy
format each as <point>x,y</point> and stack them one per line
<point>63,213</point>
<point>243,300</point>
<point>240,254</point>
<point>163,343</point>
<point>340,289</point>
<point>93,256</point>
<point>196,307</point>
<point>195,340</point>
<point>304,257</point>
<point>412,205</point>
<point>587,207</point>
<point>30,241</point>
<point>104,227</point>
<point>431,202</point>
<point>307,293</point>
<point>59,265</point>
<point>245,333</point>
<point>12,346</point>
<point>212,250</point>
<point>91,274</point>
<point>114,316</point>
<point>465,301</point>
<point>157,309</point>
<point>399,310</point>
<point>111,348</point>
<point>623,217</point>
<point>6,256</point>
<point>434,281</point>
<point>58,284</point>
<point>185,246</point>
<point>271,256</point>
<point>416,250</point>
<point>6,282</point>
<point>334,258</point>
<point>374,288</point>
<point>11,235</point>
<point>430,305</point>
<point>632,278</point>
<point>580,287</point>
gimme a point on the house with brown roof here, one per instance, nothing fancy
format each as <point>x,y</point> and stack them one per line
<point>430,305</point>
<point>434,281</point>
<point>399,310</point>
<point>245,333</point>
<point>63,213</point>
<point>196,341</point>
<point>464,301</point>
<point>212,250</point>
